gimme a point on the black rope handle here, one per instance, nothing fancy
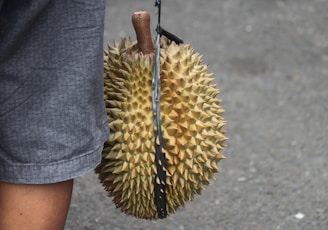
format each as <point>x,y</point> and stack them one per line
<point>161,31</point>
<point>160,177</point>
<point>169,35</point>
<point>160,160</point>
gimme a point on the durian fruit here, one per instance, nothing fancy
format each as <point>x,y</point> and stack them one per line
<point>191,119</point>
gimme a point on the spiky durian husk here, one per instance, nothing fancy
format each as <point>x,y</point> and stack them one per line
<point>192,126</point>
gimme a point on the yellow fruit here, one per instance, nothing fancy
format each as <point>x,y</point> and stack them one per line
<point>192,126</point>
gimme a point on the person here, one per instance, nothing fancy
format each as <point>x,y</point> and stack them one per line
<point>53,121</point>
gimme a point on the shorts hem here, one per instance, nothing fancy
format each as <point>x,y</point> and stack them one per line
<point>51,173</point>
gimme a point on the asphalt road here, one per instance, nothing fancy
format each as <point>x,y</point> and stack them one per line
<point>270,60</point>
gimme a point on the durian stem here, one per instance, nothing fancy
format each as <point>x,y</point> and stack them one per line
<point>141,24</point>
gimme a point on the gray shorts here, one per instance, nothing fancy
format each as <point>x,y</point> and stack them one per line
<point>52,115</point>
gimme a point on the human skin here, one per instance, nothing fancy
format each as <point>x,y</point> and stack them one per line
<point>34,207</point>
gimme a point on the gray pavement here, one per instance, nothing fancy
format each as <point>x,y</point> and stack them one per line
<point>270,60</point>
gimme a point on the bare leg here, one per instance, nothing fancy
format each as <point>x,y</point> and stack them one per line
<point>34,207</point>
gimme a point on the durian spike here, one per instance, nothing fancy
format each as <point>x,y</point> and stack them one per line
<point>141,24</point>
